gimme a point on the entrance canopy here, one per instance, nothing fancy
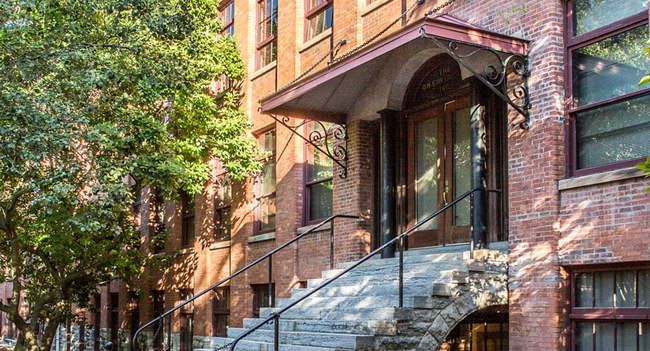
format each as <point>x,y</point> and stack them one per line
<point>376,77</point>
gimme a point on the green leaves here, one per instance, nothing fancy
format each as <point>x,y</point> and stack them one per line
<point>94,97</point>
<point>645,167</point>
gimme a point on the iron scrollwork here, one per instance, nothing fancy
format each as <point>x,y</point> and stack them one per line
<point>331,141</point>
<point>498,77</point>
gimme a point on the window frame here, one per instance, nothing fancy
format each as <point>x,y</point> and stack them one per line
<point>186,311</point>
<point>262,43</point>
<point>185,217</point>
<point>228,27</point>
<point>259,291</point>
<point>114,315</point>
<point>218,312</point>
<point>220,206</point>
<point>308,184</point>
<point>158,208</point>
<point>313,13</point>
<point>158,308</point>
<point>602,314</point>
<point>258,197</point>
<point>574,43</point>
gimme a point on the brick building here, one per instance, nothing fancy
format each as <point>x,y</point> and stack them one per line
<point>538,99</point>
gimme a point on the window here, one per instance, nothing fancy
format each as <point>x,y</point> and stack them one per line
<point>187,321</point>
<point>159,222</point>
<point>221,312</point>
<point>265,191</point>
<point>188,225</point>
<point>228,18</point>
<point>320,16</point>
<point>115,319</point>
<point>608,123</point>
<point>134,311</point>
<point>222,212</point>
<point>82,337</point>
<point>267,31</point>
<point>261,297</point>
<point>98,322</point>
<point>137,212</point>
<point>158,310</point>
<point>609,310</point>
<point>318,175</point>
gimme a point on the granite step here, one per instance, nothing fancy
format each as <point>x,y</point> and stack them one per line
<point>388,275</point>
<point>247,345</point>
<point>330,340</point>
<point>323,326</point>
<point>410,301</point>
<point>341,314</point>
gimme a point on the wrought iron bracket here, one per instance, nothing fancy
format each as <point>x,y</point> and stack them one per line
<point>332,141</point>
<point>515,94</point>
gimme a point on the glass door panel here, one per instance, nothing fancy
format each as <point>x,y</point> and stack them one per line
<point>426,181</point>
<point>462,159</point>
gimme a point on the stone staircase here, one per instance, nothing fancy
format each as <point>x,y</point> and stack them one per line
<point>359,311</point>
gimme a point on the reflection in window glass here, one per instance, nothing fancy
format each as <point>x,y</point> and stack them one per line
<point>604,336</point>
<point>426,182</point>
<point>604,293</point>
<point>321,22</point>
<point>584,290</point>
<point>644,336</point>
<point>584,339</point>
<point>462,165</point>
<point>644,288</point>
<point>626,336</point>
<point>626,289</point>
<point>613,133</point>
<point>610,68</point>
<point>593,14</point>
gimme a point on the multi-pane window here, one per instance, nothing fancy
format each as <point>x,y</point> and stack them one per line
<point>261,298</point>
<point>137,212</point>
<point>222,211</point>
<point>320,16</point>
<point>97,322</point>
<point>608,124</point>
<point>318,174</point>
<point>228,18</point>
<point>158,310</point>
<point>609,310</point>
<point>265,192</point>
<point>188,220</point>
<point>221,312</point>
<point>115,318</point>
<point>267,32</point>
<point>187,321</point>
<point>159,222</point>
<point>134,311</point>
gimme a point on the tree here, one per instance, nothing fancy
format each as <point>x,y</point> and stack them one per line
<point>98,99</point>
<point>645,166</point>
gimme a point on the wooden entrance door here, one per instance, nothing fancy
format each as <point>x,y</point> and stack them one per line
<point>439,170</point>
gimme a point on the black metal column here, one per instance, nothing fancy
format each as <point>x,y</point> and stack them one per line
<point>388,182</point>
<point>479,198</point>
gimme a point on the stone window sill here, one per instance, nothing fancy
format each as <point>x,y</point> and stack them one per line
<point>260,72</point>
<point>261,237</point>
<point>185,251</point>
<point>373,6</point>
<point>317,39</point>
<point>220,245</point>
<point>600,178</point>
<point>326,226</point>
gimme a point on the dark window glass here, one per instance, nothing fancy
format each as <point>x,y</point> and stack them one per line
<point>158,310</point>
<point>97,324</point>
<point>134,311</point>
<point>159,223</point>
<point>222,218</point>
<point>187,321</point>
<point>189,225</point>
<point>228,19</point>
<point>261,298</point>
<point>266,31</point>
<point>613,133</point>
<point>221,312</point>
<point>115,319</point>
<point>319,183</point>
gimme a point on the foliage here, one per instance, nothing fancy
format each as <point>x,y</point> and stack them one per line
<point>645,167</point>
<point>99,99</point>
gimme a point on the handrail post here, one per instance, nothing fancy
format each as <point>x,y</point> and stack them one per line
<point>332,244</point>
<point>401,272</point>
<point>271,281</point>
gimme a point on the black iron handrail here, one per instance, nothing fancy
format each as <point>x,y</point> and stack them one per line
<point>276,315</point>
<point>269,255</point>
